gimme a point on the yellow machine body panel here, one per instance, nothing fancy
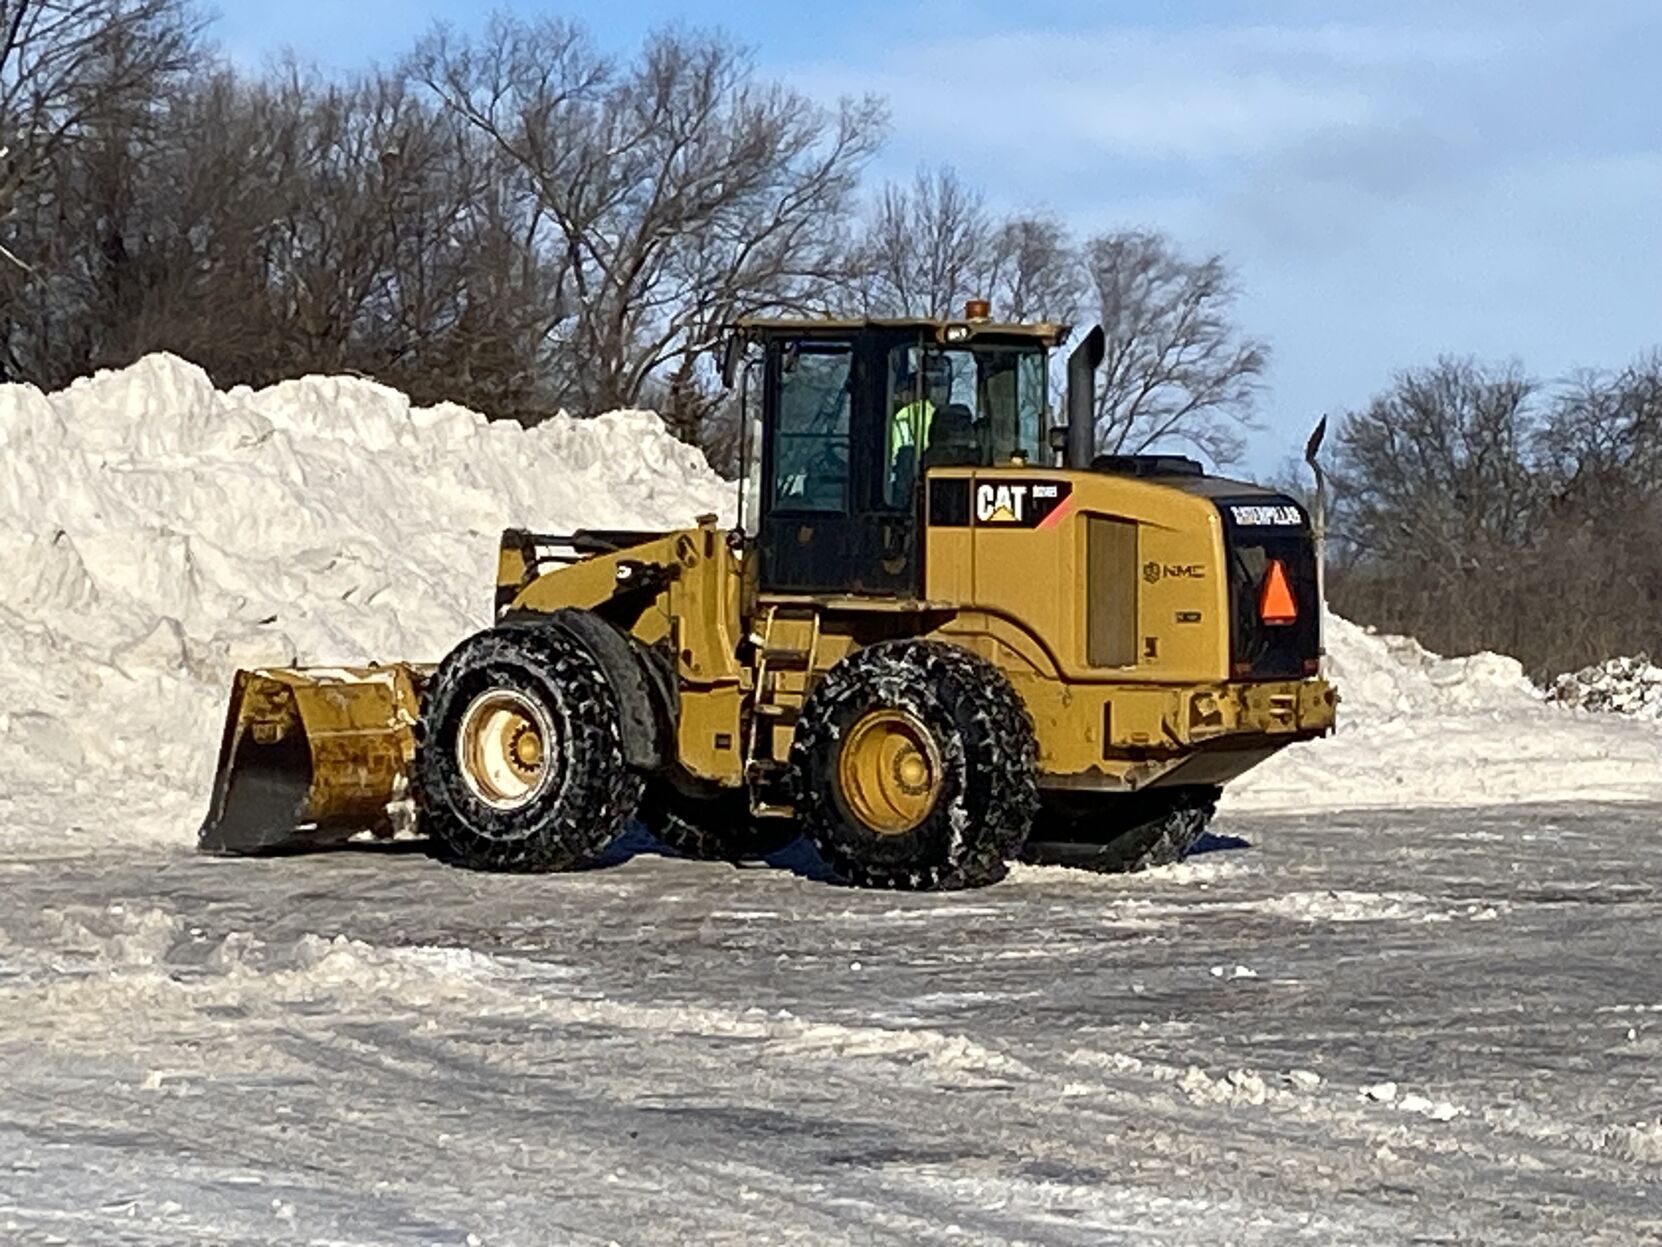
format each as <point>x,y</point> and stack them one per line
<point>1106,601</point>
<point>1119,579</point>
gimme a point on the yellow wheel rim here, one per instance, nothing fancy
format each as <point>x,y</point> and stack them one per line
<point>890,771</point>
<point>502,747</point>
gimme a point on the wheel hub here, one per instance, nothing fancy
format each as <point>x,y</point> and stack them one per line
<point>503,747</point>
<point>890,771</point>
<point>527,750</point>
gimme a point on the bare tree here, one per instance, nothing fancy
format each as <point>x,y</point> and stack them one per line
<point>1440,466</point>
<point>67,66</point>
<point>1600,453</point>
<point>80,83</point>
<point>1603,437</point>
<point>925,249</point>
<point>467,297</point>
<point>1477,509</point>
<point>929,247</point>
<point>1033,270</point>
<point>670,194</point>
<point>1178,371</point>
<point>1438,507</point>
<point>282,225</point>
<point>373,195</point>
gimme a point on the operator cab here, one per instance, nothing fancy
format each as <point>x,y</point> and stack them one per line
<point>853,413</point>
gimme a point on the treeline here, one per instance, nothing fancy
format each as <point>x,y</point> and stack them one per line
<point>1477,507</point>
<point>523,222</point>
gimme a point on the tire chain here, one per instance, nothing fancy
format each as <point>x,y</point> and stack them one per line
<point>591,715</point>
<point>1008,744</point>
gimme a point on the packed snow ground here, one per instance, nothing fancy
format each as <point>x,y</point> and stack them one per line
<point>1347,1029</point>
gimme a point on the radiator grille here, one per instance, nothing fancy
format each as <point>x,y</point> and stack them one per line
<point>1111,592</point>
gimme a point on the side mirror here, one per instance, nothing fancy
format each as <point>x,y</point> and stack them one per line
<point>732,355</point>
<point>1057,438</point>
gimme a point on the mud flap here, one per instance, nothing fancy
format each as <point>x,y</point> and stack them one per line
<point>314,756</point>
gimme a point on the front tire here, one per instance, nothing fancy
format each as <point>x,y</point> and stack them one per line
<point>915,766</point>
<point>519,764</point>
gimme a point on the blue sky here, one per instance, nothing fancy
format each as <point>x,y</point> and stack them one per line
<point>1390,182</point>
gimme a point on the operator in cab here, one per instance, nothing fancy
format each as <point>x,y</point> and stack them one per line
<point>916,394</point>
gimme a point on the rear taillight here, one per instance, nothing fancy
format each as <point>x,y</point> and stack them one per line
<point>1276,604</point>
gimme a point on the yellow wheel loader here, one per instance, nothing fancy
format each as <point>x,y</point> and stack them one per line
<point>942,635</point>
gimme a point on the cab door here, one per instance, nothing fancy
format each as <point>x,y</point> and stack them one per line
<point>825,526</point>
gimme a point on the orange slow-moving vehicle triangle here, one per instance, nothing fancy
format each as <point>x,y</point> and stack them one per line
<point>1276,604</point>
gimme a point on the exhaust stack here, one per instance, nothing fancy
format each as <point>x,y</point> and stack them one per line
<point>1318,524</point>
<point>1082,366</point>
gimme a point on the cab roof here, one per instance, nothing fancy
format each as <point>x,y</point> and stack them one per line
<point>1044,332</point>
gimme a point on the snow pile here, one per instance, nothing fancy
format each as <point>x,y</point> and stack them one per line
<point>1382,677</point>
<point>156,534</point>
<point>1630,686</point>
<point>1419,729</point>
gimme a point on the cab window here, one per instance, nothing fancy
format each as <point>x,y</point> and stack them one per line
<point>810,444</point>
<point>959,406</point>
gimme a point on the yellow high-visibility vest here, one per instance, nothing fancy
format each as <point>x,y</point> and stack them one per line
<point>909,426</point>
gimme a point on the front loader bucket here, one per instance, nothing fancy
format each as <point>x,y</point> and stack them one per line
<point>313,756</point>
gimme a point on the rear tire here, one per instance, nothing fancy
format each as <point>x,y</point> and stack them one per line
<point>519,762</point>
<point>1120,834</point>
<point>713,827</point>
<point>915,766</point>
